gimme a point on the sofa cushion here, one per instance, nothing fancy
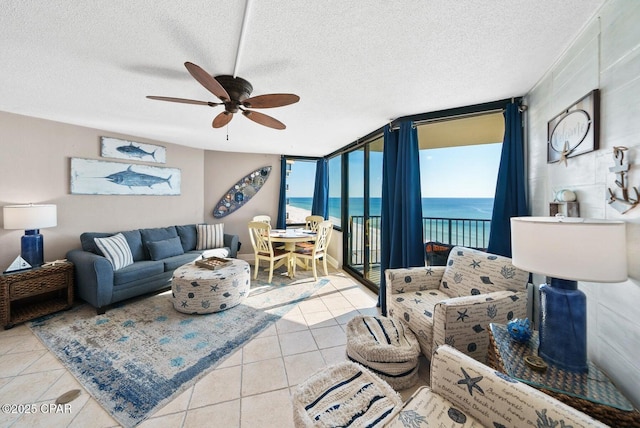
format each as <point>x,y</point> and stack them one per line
<point>471,272</point>
<point>416,308</point>
<point>156,234</point>
<point>210,236</point>
<point>172,263</point>
<point>115,249</point>
<point>135,243</point>
<point>188,236</point>
<point>132,236</point>
<point>136,271</point>
<point>88,243</point>
<point>159,250</point>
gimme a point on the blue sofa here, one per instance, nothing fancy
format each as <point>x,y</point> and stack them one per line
<point>98,284</point>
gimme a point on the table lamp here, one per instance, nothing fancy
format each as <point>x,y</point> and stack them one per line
<point>567,249</point>
<point>30,218</point>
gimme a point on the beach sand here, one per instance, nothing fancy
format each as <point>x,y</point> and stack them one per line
<point>297,215</point>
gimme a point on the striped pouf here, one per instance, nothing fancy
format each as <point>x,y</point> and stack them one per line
<point>386,347</point>
<point>344,394</point>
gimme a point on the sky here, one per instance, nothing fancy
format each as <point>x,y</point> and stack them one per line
<point>456,172</point>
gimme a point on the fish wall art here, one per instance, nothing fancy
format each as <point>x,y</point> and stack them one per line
<point>130,150</point>
<point>96,177</point>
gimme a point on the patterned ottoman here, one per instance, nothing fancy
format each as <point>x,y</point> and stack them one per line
<point>199,290</point>
<point>344,394</point>
<point>386,347</point>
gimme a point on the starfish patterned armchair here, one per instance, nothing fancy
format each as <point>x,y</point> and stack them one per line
<point>465,393</point>
<point>454,304</point>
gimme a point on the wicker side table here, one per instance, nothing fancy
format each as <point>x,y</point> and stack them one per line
<point>591,393</point>
<point>32,293</point>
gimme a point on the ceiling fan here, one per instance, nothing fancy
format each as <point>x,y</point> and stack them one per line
<point>234,92</point>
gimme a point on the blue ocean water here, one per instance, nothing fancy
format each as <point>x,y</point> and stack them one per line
<point>467,208</point>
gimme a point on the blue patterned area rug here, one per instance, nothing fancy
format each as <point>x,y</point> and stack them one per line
<point>141,354</point>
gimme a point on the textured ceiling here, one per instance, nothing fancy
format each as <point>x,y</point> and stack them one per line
<point>356,65</point>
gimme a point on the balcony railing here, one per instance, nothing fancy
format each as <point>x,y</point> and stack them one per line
<point>453,231</point>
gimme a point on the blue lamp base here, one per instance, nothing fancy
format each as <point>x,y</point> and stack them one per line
<point>33,247</point>
<point>563,325</point>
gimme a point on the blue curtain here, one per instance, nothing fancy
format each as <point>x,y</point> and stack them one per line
<point>320,205</point>
<point>281,222</point>
<point>510,199</point>
<point>401,224</point>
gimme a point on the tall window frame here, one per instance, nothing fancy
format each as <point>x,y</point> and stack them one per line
<point>454,113</point>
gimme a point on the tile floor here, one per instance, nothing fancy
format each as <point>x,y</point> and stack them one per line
<point>251,388</point>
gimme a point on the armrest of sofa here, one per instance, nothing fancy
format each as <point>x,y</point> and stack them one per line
<point>463,322</point>
<point>231,241</point>
<point>404,280</point>
<point>495,399</point>
<point>93,277</point>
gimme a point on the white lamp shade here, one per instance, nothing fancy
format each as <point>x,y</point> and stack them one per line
<point>29,217</point>
<point>570,248</point>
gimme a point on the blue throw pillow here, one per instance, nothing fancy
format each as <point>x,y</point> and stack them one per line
<point>188,236</point>
<point>156,234</point>
<point>159,250</point>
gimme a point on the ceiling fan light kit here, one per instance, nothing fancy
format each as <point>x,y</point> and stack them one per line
<point>234,93</point>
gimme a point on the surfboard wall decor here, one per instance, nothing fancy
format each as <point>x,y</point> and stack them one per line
<point>241,192</point>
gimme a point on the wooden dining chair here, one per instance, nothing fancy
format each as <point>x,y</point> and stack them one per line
<point>260,234</point>
<point>311,223</point>
<point>319,249</point>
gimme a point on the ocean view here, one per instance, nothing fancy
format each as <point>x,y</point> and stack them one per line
<point>467,208</point>
<point>471,228</point>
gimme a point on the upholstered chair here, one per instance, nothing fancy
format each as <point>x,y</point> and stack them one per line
<point>463,392</point>
<point>454,304</point>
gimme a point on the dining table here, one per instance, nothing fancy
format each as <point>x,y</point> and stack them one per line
<point>290,237</point>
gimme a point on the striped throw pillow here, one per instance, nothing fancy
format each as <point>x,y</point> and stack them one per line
<point>210,236</point>
<point>115,249</point>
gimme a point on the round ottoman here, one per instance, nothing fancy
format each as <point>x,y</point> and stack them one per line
<point>344,394</point>
<point>386,347</point>
<point>199,290</point>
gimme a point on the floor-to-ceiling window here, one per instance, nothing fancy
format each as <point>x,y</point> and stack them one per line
<point>363,181</point>
<point>301,175</point>
<point>335,190</point>
<point>459,160</point>
<point>459,156</point>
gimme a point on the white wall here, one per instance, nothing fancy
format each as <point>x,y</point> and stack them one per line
<point>223,170</point>
<point>605,56</point>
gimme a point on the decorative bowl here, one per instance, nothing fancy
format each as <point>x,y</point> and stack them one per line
<point>519,329</point>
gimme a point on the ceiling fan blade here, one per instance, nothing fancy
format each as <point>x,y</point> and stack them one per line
<point>208,81</point>
<point>222,119</point>
<point>271,100</point>
<point>263,119</point>
<point>183,100</point>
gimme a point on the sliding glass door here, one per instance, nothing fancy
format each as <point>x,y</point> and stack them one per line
<point>363,202</point>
